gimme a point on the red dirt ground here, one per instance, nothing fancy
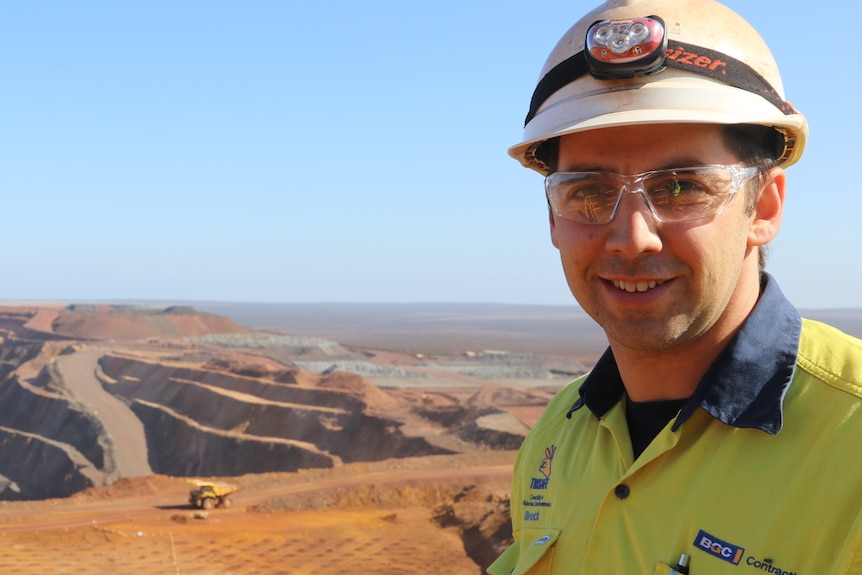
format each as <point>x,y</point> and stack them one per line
<point>381,524</point>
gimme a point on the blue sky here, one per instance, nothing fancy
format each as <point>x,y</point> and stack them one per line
<point>338,151</point>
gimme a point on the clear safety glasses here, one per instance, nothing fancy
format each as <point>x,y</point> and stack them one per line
<point>671,195</point>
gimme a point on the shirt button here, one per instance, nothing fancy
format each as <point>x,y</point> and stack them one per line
<point>622,491</point>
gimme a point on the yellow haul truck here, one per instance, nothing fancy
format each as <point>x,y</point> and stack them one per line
<point>209,494</point>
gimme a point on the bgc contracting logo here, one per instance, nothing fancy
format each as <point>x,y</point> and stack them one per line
<point>718,548</point>
<point>734,554</point>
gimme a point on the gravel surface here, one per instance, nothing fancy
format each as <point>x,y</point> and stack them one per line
<point>363,368</point>
<point>268,340</point>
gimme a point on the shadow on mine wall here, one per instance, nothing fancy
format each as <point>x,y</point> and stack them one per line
<point>200,422</point>
<point>50,446</point>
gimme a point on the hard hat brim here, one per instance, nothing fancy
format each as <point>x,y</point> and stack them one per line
<point>678,98</point>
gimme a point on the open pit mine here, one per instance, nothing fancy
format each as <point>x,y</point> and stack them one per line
<point>340,455</point>
<point>91,394</point>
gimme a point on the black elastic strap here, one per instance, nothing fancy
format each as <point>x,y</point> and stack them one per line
<point>557,77</point>
<point>689,57</point>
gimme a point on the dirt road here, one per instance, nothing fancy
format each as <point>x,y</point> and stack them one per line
<point>172,492</point>
<point>122,426</point>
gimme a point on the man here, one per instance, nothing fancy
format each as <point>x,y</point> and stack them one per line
<point>720,432</point>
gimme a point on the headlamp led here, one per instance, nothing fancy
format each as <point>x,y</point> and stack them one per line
<point>626,48</point>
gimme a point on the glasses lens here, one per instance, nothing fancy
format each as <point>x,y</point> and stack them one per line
<point>688,194</point>
<point>584,197</point>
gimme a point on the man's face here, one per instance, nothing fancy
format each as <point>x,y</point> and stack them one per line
<point>654,285</point>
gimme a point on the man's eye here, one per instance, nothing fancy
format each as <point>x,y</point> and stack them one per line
<point>591,192</point>
<point>577,192</point>
<point>676,190</point>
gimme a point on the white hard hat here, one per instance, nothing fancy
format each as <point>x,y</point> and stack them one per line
<point>633,62</point>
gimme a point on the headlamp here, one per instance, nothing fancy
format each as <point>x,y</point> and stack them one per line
<point>626,48</point>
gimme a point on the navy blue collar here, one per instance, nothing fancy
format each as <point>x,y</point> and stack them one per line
<point>746,384</point>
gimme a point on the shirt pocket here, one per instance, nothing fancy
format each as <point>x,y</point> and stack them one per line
<point>532,554</point>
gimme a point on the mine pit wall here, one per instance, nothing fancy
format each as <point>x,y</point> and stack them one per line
<point>281,392</point>
<point>207,407</point>
<point>180,448</point>
<point>49,447</point>
<point>352,436</point>
<point>364,437</point>
<point>15,353</point>
<point>117,367</point>
<point>39,468</point>
<point>490,438</point>
<point>317,417</point>
<point>36,411</point>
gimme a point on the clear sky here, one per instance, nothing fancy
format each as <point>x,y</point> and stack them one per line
<point>286,151</point>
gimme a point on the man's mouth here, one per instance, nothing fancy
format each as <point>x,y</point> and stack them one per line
<point>639,287</point>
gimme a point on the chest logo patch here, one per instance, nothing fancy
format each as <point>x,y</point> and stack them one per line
<point>536,502</point>
<point>544,469</point>
<point>718,548</point>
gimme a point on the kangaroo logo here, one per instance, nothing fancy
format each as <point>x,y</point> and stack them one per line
<point>545,466</point>
<point>542,482</point>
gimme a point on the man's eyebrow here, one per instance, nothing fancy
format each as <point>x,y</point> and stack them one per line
<point>588,168</point>
<point>683,162</point>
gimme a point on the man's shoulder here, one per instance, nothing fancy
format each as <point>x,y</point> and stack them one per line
<point>831,356</point>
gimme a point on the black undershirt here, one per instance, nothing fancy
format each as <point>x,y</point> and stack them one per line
<point>647,418</point>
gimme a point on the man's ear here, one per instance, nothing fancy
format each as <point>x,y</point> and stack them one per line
<point>766,219</point>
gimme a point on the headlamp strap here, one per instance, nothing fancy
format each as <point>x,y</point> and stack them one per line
<point>688,57</point>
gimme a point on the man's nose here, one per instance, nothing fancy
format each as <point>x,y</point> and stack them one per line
<point>634,230</point>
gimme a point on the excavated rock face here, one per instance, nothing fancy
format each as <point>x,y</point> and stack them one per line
<point>482,519</point>
<point>206,422</point>
<point>15,353</point>
<point>49,445</point>
<point>184,448</point>
<point>37,466</point>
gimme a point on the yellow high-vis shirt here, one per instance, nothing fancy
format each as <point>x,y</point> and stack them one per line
<point>750,478</point>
